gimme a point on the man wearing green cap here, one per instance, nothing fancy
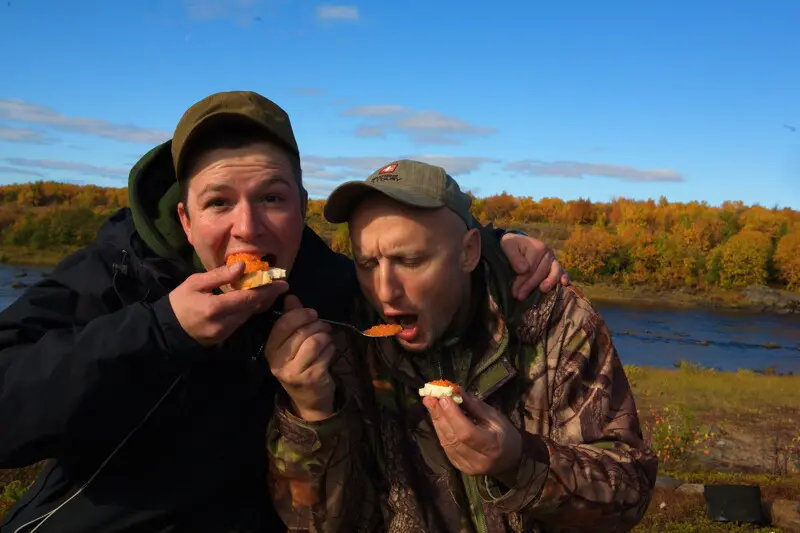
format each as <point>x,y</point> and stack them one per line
<point>541,432</point>
<point>130,370</point>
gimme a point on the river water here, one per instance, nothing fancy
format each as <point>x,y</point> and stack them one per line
<point>653,336</point>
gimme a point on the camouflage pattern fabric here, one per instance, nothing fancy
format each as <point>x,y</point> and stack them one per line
<point>377,464</point>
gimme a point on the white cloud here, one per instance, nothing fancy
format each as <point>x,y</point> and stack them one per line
<point>21,135</point>
<point>341,168</point>
<point>575,169</point>
<point>243,12</point>
<point>71,166</point>
<point>338,12</point>
<point>423,126</point>
<point>20,171</point>
<point>27,113</point>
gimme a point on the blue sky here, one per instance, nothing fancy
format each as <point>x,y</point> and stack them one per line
<point>693,100</point>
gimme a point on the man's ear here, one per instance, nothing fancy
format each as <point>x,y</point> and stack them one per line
<point>186,224</point>
<point>470,250</point>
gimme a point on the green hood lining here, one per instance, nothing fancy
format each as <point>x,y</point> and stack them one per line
<point>153,194</point>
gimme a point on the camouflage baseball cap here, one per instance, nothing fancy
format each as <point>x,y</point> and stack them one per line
<point>409,182</point>
<point>241,105</point>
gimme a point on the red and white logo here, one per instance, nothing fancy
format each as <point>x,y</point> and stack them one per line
<point>387,169</point>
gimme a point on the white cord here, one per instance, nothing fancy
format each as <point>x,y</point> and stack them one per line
<point>45,517</point>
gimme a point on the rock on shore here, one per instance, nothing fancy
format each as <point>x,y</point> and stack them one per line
<point>762,298</point>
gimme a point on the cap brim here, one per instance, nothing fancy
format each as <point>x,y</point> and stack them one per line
<point>345,198</point>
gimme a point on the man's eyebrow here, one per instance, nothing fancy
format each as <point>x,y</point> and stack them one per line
<point>277,179</point>
<point>222,187</point>
<point>215,187</point>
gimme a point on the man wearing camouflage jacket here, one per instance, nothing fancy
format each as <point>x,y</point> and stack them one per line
<point>547,437</point>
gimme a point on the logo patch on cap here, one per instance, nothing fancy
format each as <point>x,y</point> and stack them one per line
<point>387,169</point>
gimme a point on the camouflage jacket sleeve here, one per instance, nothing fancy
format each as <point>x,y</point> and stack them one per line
<point>585,466</point>
<point>317,475</point>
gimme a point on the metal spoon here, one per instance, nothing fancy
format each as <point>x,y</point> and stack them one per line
<point>344,324</point>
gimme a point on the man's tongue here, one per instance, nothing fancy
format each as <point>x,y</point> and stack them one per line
<point>409,323</point>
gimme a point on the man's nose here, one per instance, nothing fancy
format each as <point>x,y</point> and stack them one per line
<point>245,225</point>
<point>389,288</point>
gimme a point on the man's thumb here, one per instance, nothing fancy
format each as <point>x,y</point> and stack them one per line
<point>220,276</point>
<point>291,302</point>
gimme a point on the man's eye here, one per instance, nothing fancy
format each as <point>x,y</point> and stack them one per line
<point>272,198</point>
<point>365,264</point>
<point>411,262</point>
<point>215,202</point>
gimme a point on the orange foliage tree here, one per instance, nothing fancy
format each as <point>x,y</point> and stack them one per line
<point>654,243</point>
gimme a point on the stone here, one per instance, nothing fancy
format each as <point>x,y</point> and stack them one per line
<point>784,514</point>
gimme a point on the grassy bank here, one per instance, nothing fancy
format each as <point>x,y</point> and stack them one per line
<point>643,295</point>
<point>707,427</point>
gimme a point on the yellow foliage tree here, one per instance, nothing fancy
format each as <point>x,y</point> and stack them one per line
<point>744,259</point>
<point>787,259</point>
<point>340,242</point>
<point>591,253</point>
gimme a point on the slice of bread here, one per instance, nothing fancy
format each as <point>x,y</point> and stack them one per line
<point>258,278</point>
<point>442,388</point>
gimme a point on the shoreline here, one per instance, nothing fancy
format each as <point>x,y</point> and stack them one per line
<point>759,299</point>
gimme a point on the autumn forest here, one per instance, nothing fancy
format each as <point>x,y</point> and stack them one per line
<point>656,244</point>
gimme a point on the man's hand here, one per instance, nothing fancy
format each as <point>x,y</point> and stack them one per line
<point>211,318</point>
<point>535,264</point>
<point>489,444</point>
<point>299,351</point>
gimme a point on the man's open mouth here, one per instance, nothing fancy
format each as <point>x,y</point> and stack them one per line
<point>270,258</point>
<point>407,321</point>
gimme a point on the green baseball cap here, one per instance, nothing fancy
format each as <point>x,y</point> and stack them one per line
<point>246,106</point>
<point>412,183</point>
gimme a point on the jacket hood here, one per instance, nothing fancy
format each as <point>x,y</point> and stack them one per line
<point>153,195</point>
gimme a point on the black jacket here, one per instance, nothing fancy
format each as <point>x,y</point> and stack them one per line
<point>89,351</point>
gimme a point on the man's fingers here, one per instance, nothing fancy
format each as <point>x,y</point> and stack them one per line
<point>462,428</point>
<point>314,349</point>
<point>552,277</point>
<point>440,423</point>
<point>291,302</point>
<point>511,247</point>
<point>281,354</point>
<point>288,325</point>
<point>537,278</point>
<point>213,279</point>
<point>249,301</point>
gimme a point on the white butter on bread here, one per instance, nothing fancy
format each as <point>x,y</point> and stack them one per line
<point>441,391</point>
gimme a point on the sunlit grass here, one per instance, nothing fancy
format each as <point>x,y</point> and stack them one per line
<point>708,391</point>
